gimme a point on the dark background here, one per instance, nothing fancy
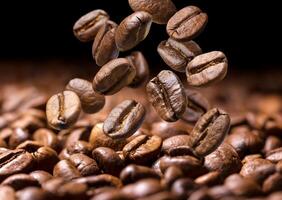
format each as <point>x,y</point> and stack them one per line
<point>249,33</point>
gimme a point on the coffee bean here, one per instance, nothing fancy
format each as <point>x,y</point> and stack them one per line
<point>91,102</point>
<point>139,62</point>
<point>124,119</point>
<point>220,192</point>
<point>47,138</point>
<point>80,147</point>
<point>66,170</point>
<point>206,69</point>
<point>209,179</point>
<point>178,54</point>
<point>99,139</point>
<point>104,47</point>
<point>272,142</point>
<point>20,181</point>
<point>142,149</point>
<point>272,183</point>
<point>250,158</point>
<point>274,155</point>
<point>45,158</point>
<point>171,175</point>
<point>110,194</point>
<point>108,160</point>
<point>33,193</point>
<point>279,166</point>
<point>7,193</point>
<point>113,76</point>
<point>161,11</point>
<point>63,110</point>
<point>183,187</point>
<point>197,105</point>
<point>132,30</point>
<point>19,135</point>
<point>175,141</point>
<point>86,28</point>
<point>41,176</point>
<point>133,173</point>
<point>166,94</point>
<point>187,23</point>
<point>16,161</point>
<point>209,132</point>
<point>258,169</point>
<point>224,160</point>
<point>84,164</point>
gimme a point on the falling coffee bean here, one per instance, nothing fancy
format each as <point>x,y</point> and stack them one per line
<point>91,102</point>
<point>113,76</point>
<point>124,119</point>
<point>206,69</point>
<point>132,30</point>
<point>86,28</point>
<point>178,54</point>
<point>63,110</point>
<point>187,23</point>
<point>166,94</point>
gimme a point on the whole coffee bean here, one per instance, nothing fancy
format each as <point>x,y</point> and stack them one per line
<point>33,193</point>
<point>272,183</point>
<point>172,174</point>
<point>84,164</point>
<point>47,138</point>
<point>66,170</point>
<point>139,62</point>
<point>274,155</point>
<point>124,119</point>
<point>189,165</point>
<point>197,105</point>
<point>209,132</point>
<point>242,186</point>
<point>133,173</point>
<point>224,159</point>
<point>110,194</point>
<point>156,167</point>
<point>272,142</point>
<point>91,102</point>
<point>63,109</point>
<point>132,30</point>
<point>20,181</point>
<point>220,192</point>
<point>166,94</point>
<point>161,11</point>
<point>19,135</point>
<point>251,157</point>
<point>80,147</point>
<point>209,179</point>
<point>72,136</point>
<point>108,160</point>
<point>206,69</point>
<point>174,142</point>
<point>178,54</point>
<point>142,188</point>
<point>86,28</point>
<point>99,139</point>
<point>41,176</point>
<point>258,169</point>
<point>113,76</point>
<point>187,23</point>
<point>183,187</point>
<point>104,47</point>
<point>142,149</point>
<point>16,161</point>
<point>7,193</point>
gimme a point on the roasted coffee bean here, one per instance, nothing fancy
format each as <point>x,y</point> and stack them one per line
<point>84,164</point>
<point>139,62</point>
<point>72,136</point>
<point>156,167</point>
<point>86,28</point>
<point>66,170</point>
<point>133,173</point>
<point>142,149</point>
<point>16,161</point>
<point>189,165</point>
<point>187,23</point>
<point>99,139</point>
<point>161,11</point>
<point>242,186</point>
<point>41,176</point>
<point>132,30</point>
<point>178,54</point>
<point>272,142</point>
<point>272,183</point>
<point>258,169</point>
<point>279,166</point>
<point>80,147</point>
<point>183,187</point>
<point>274,155</point>
<point>28,123</point>
<point>206,69</point>
<point>209,132</point>
<point>113,76</point>
<point>33,193</point>
<point>174,142</point>
<point>108,160</point>
<point>63,109</point>
<point>166,94</point>
<point>209,179</point>
<point>20,181</point>
<point>224,159</point>
<point>124,119</point>
<point>7,193</point>
<point>47,138</point>
<point>172,174</point>
<point>45,158</point>
<point>220,192</point>
<point>251,157</point>
<point>104,47</point>
<point>19,135</point>
<point>111,194</point>
<point>91,102</point>
<point>142,188</point>
<point>197,105</point>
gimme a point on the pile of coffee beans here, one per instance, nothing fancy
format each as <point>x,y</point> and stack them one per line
<point>189,150</point>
